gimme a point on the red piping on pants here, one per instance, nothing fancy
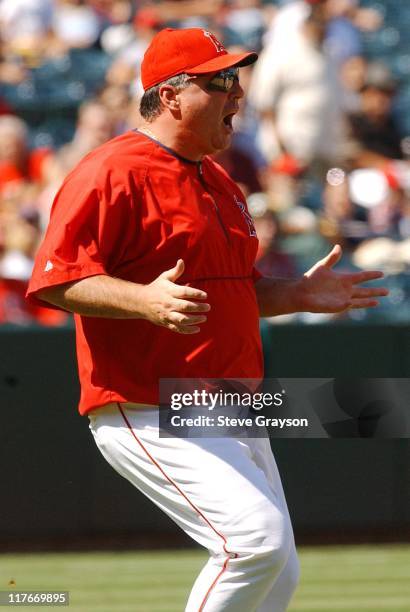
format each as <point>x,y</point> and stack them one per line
<point>197,510</point>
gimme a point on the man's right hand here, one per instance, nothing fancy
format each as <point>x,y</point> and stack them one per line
<point>173,306</point>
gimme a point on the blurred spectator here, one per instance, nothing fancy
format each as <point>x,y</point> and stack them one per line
<point>241,167</point>
<point>15,309</point>
<point>362,205</point>
<point>117,100</point>
<point>296,92</point>
<point>384,253</point>
<point>187,13</point>
<point>343,38</point>
<point>352,77</point>
<point>25,26</point>
<point>113,11</point>
<point>373,127</point>
<point>373,198</point>
<point>338,211</point>
<point>17,162</point>
<point>243,24</point>
<point>270,260</point>
<point>75,24</point>
<point>284,182</point>
<point>286,22</point>
<point>19,237</point>
<point>127,44</point>
<point>11,71</point>
<point>346,20</point>
<point>301,238</point>
<point>95,126</point>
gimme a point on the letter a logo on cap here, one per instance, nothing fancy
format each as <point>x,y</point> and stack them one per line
<point>218,46</point>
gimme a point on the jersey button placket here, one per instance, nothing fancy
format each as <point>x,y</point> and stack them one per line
<point>215,205</point>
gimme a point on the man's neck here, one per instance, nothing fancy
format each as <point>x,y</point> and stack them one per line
<point>168,137</point>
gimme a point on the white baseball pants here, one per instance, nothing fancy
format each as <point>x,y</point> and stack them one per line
<point>225,493</point>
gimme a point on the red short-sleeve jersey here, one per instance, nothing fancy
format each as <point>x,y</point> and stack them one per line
<point>131,209</point>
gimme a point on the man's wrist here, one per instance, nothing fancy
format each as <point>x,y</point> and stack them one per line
<point>299,294</point>
<point>281,296</point>
<point>140,301</point>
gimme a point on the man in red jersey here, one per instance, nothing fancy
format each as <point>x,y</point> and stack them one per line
<point>151,245</point>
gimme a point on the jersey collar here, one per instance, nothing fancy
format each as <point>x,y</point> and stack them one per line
<point>168,149</point>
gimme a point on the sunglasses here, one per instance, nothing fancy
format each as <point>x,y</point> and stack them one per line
<point>223,80</point>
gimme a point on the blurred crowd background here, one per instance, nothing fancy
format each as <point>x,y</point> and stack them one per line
<point>321,146</point>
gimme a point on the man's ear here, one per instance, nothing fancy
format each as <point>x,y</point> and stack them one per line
<point>169,97</point>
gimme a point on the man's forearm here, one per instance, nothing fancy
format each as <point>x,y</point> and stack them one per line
<point>278,296</point>
<point>163,302</point>
<point>97,296</point>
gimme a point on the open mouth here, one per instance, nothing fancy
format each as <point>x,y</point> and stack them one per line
<point>227,120</point>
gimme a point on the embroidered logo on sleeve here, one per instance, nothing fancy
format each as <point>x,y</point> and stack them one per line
<point>49,266</point>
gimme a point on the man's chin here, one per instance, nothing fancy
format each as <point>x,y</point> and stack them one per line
<point>221,144</point>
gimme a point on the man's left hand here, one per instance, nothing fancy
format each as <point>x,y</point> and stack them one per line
<point>322,289</point>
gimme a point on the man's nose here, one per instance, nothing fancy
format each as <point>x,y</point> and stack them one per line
<point>236,90</point>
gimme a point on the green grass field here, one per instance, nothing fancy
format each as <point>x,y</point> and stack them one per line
<point>337,579</point>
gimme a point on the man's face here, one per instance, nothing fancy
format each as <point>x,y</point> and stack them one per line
<point>376,103</point>
<point>12,146</point>
<point>206,116</point>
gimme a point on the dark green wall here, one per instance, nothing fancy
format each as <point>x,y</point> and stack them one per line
<point>315,351</point>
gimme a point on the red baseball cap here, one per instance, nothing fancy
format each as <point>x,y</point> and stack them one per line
<point>191,50</point>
